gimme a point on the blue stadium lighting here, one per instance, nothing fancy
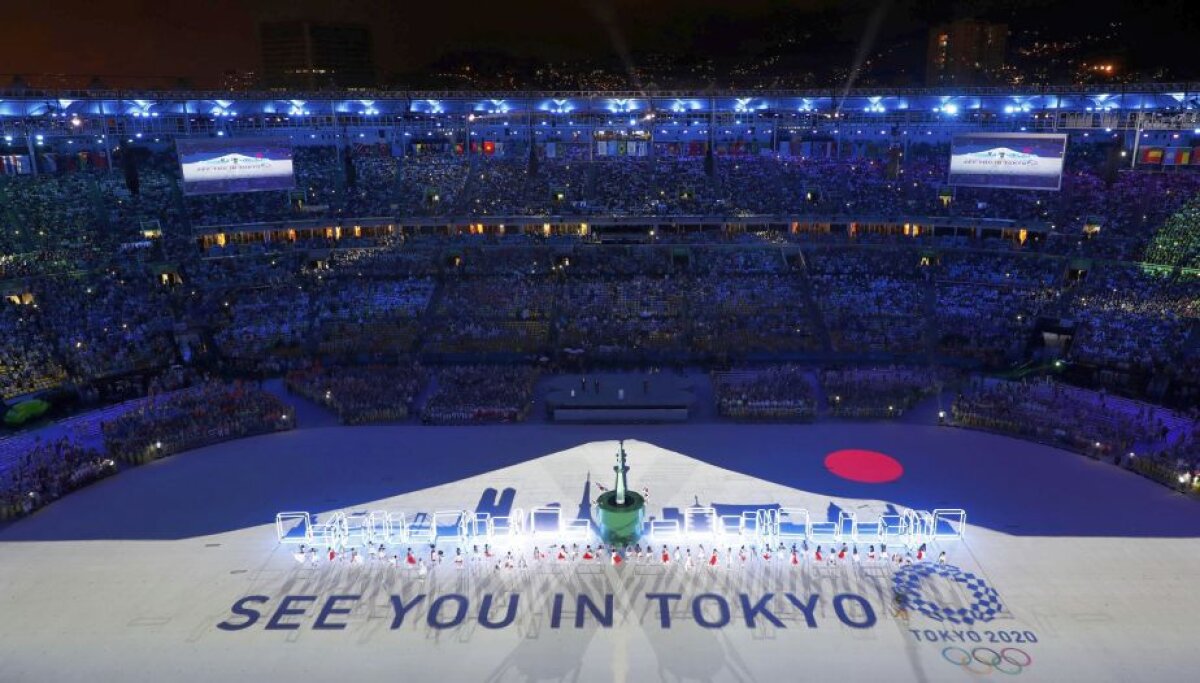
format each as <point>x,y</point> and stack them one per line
<point>621,106</point>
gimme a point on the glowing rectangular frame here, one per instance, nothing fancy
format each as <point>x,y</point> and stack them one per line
<point>334,532</point>
<point>511,525</point>
<point>751,521</point>
<point>892,527</point>
<point>482,526</point>
<point>664,529</point>
<point>578,529</point>
<point>378,527</point>
<point>731,526</point>
<point>422,529</point>
<point>450,525</point>
<point>951,517</point>
<point>300,520</point>
<point>537,528</point>
<point>356,525</point>
<point>844,517</point>
<point>789,532</point>
<point>398,527</point>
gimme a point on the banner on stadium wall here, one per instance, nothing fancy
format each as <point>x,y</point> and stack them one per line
<point>219,165</point>
<point>15,164</point>
<point>1027,161</point>
<point>1177,156</point>
<point>1151,155</point>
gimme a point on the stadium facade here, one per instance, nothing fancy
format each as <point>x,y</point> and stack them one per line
<point>766,117</point>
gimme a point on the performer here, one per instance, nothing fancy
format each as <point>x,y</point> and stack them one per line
<point>842,553</point>
<point>616,557</point>
<point>818,555</point>
<point>676,557</point>
<point>394,561</point>
<point>871,553</point>
<point>332,554</point>
<point>742,556</point>
<point>713,559</point>
<point>767,552</point>
<point>854,555</point>
<point>422,570</point>
<point>312,556</point>
<point>666,556</point>
<point>921,553</point>
<point>942,558</point>
<point>687,565</point>
<point>381,553</point>
<point>487,551</point>
<point>410,559</point>
<point>300,555</point>
<point>458,558</point>
<point>795,556</point>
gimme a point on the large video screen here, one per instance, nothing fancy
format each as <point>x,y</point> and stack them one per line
<point>1027,161</point>
<point>213,165</point>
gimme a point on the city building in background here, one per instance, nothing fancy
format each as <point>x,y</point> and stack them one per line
<point>305,54</point>
<point>965,52</point>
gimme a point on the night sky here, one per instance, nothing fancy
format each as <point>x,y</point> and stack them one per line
<point>199,40</point>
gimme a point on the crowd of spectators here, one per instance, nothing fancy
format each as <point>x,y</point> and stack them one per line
<point>207,413</point>
<point>872,300</point>
<point>477,394</point>
<point>782,392</point>
<point>1155,441</point>
<point>46,470</point>
<point>362,394</point>
<point>92,295</point>
<point>882,391</point>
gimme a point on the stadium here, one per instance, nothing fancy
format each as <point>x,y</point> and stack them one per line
<point>593,385</point>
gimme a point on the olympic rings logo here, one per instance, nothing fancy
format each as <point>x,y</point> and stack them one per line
<point>984,660</point>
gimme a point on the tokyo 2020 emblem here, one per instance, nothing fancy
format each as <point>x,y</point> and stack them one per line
<point>908,584</point>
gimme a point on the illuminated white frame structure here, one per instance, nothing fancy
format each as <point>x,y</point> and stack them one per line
<point>334,532</point>
<point>731,527</point>
<point>421,529</point>
<point>287,522</point>
<point>892,528</point>
<point>451,525</point>
<point>665,531</point>
<point>783,525</point>
<point>792,525</point>
<point>510,525</point>
<point>954,518</point>
<point>538,528</point>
